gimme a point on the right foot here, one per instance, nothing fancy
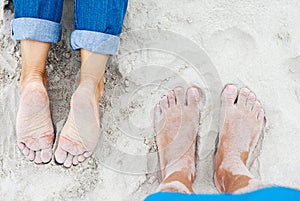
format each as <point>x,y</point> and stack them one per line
<point>80,134</point>
<point>241,125</point>
<point>176,122</point>
<point>34,127</point>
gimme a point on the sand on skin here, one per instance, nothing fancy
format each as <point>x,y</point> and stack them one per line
<point>254,44</point>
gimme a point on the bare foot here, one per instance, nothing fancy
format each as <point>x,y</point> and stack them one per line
<point>34,125</point>
<point>241,125</point>
<point>176,123</point>
<point>80,134</point>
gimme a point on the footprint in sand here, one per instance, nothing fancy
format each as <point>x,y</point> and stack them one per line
<point>231,47</point>
<point>293,67</point>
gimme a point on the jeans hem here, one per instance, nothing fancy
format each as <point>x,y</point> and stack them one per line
<point>35,29</point>
<point>95,41</point>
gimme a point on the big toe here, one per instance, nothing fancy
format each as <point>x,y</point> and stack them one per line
<point>60,155</point>
<point>229,94</point>
<point>46,155</point>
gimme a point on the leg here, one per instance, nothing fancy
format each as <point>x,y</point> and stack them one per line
<point>96,36</point>
<point>36,24</point>
<point>176,123</point>
<point>241,124</point>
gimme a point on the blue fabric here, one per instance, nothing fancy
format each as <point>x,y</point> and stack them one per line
<point>265,194</point>
<point>104,16</point>
<point>20,31</point>
<point>42,9</point>
<point>98,23</point>
<point>95,41</point>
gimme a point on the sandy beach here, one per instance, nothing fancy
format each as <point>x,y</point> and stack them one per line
<point>164,44</point>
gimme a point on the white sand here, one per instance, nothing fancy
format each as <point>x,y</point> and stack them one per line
<point>251,43</point>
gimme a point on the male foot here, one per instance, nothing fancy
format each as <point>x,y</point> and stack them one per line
<point>34,127</point>
<point>80,134</point>
<point>242,119</point>
<point>176,123</point>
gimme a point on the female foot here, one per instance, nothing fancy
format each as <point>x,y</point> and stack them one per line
<point>34,125</point>
<point>241,123</point>
<point>176,123</point>
<point>80,134</point>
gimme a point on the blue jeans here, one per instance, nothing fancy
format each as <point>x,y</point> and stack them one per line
<point>98,23</point>
<point>265,194</point>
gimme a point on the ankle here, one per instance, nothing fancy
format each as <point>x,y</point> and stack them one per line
<point>30,78</point>
<point>174,186</point>
<point>181,176</point>
<point>95,87</point>
<point>232,175</point>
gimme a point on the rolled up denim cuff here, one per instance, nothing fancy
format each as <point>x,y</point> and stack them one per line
<point>35,29</point>
<point>95,41</point>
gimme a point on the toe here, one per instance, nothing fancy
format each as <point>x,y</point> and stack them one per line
<point>157,116</point>
<point>26,151</point>
<point>256,107</point>
<point>21,145</point>
<point>69,160</point>
<point>242,98</point>
<point>157,111</point>
<point>60,155</point>
<point>250,101</point>
<point>75,160</point>
<point>164,103</point>
<point>31,155</point>
<point>261,115</point>
<point>192,96</point>
<point>81,158</point>
<point>38,159</point>
<point>179,95</point>
<point>171,98</point>
<point>229,94</point>
<point>46,155</point>
<point>87,154</point>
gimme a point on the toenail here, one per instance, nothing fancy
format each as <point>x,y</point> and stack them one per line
<point>194,91</point>
<point>231,88</point>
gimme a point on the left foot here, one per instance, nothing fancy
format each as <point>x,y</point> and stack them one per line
<point>80,134</point>
<point>34,125</point>
<point>176,122</point>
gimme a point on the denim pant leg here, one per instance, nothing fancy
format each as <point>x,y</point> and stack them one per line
<point>37,20</point>
<point>98,24</point>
